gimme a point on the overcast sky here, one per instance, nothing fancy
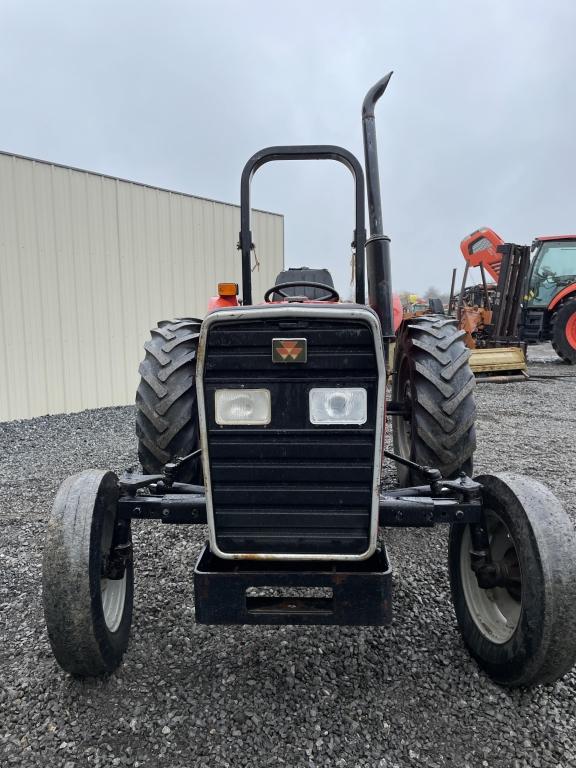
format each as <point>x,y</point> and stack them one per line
<point>477,127</point>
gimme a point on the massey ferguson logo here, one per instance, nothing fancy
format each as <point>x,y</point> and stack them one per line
<point>289,350</point>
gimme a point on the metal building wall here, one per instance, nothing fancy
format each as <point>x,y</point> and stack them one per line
<point>88,264</point>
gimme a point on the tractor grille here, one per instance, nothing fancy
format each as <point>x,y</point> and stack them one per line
<point>291,487</point>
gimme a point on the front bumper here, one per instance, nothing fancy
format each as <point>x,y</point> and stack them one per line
<point>292,592</point>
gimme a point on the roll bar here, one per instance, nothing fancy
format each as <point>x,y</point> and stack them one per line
<point>305,152</point>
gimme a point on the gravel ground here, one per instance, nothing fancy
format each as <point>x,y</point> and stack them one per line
<point>191,695</point>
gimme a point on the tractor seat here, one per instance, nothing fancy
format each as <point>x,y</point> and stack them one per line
<point>307,274</point>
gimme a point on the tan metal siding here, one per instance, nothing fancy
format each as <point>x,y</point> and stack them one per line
<point>88,264</point>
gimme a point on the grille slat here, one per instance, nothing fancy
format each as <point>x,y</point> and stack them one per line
<point>261,361</point>
<point>291,487</point>
<point>353,338</point>
<point>250,448</point>
<point>275,518</point>
<point>290,495</point>
<point>292,542</point>
<point>245,472</point>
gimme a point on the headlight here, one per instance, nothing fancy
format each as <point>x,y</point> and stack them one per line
<point>242,406</point>
<point>338,406</point>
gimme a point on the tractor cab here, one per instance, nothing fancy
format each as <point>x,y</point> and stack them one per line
<point>553,269</point>
<point>549,311</point>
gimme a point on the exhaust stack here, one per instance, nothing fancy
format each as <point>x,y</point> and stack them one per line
<point>378,244</point>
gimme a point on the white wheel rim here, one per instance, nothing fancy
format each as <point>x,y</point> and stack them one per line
<point>113,592</point>
<point>495,611</point>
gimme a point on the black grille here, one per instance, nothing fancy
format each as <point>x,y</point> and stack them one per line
<point>291,487</point>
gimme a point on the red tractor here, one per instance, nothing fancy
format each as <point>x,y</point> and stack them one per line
<point>548,301</point>
<point>265,422</point>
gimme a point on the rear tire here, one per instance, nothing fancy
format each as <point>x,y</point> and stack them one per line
<point>433,380</point>
<point>88,614</point>
<point>167,411</point>
<point>564,332</point>
<point>525,635</point>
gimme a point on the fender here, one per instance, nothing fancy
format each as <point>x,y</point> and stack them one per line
<point>222,302</point>
<point>562,295</point>
<point>398,312</point>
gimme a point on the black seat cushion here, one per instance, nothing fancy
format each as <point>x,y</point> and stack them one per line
<point>307,274</point>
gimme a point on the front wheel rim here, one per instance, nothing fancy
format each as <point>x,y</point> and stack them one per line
<point>113,593</point>
<point>496,612</point>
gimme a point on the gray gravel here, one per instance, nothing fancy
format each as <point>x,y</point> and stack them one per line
<point>190,695</point>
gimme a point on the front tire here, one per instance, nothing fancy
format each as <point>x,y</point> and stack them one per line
<point>524,633</point>
<point>88,609</point>
<point>564,332</point>
<point>433,381</point>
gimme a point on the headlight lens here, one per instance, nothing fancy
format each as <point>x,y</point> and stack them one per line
<point>338,406</point>
<point>242,406</point>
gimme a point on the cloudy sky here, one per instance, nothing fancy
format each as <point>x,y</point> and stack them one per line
<point>477,127</point>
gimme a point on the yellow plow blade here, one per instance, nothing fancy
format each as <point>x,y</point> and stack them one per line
<point>499,364</point>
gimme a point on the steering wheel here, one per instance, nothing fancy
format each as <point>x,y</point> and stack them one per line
<point>330,295</point>
<point>547,275</point>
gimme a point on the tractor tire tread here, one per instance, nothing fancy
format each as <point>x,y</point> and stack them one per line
<point>445,389</point>
<point>444,412</point>
<point>166,407</point>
